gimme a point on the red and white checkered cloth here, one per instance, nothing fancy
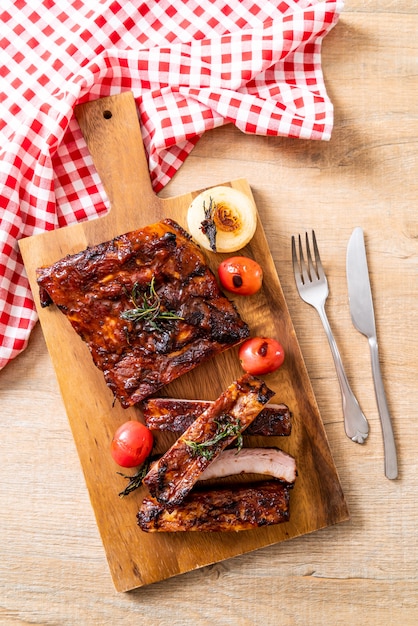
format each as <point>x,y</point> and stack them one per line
<point>192,65</point>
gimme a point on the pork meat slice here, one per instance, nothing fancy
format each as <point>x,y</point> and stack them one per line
<point>269,461</point>
<point>232,508</point>
<point>175,415</point>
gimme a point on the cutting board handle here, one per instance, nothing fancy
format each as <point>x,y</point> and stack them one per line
<point>111,126</point>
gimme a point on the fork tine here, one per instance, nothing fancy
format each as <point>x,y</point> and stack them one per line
<point>295,262</point>
<point>312,269</point>
<point>303,266</point>
<point>319,268</point>
<point>294,257</point>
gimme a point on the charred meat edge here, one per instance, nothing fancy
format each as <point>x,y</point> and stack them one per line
<point>176,415</point>
<point>219,510</point>
<point>176,472</point>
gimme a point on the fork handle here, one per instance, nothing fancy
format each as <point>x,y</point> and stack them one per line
<point>391,462</point>
<point>355,422</point>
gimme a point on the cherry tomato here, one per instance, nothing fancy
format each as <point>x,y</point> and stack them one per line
<point>261,355</point>
<point>240,275</point>
<point>131,444</point>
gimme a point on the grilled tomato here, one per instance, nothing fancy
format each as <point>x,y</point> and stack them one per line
<point>261,355</point>
<point>131,444</point>
<point>240,275</point>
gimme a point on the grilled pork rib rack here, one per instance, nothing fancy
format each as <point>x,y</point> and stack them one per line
<point>147,305</point>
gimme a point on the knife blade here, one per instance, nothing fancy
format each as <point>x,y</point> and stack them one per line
<point>362,315</point>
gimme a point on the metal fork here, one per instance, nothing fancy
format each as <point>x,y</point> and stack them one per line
<point>312,285</point>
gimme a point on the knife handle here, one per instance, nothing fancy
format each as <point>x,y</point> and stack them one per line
<point>355,423</point>
<point>391,462</point>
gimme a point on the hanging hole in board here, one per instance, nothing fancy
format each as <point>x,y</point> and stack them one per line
<point>107,114</point>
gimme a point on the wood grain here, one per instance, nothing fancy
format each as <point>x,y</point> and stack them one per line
<point>53,568</point>
<point>135,558</point>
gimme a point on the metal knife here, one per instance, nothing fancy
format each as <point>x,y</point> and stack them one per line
<point>362,315</point>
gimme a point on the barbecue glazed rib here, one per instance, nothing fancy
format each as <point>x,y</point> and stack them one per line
<point>105,289</point>
<point>174,415</point>
<point>217,510</point>
<point>174,474</point>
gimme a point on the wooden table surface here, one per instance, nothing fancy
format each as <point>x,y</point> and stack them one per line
<point>53,568</point>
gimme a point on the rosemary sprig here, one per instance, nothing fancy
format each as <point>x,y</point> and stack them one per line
<point>224,430</point>
<point>135,481</point>
<point>147,306</point>
<point>208,226</point>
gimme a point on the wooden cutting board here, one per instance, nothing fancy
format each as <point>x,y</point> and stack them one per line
<point>111,129</point>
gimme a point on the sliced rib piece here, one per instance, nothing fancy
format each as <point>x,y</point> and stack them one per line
<point>176,415</point>
<point>174,474</point>
<point>104,290</point>
<point>270,461</point>
<point>217,510</point>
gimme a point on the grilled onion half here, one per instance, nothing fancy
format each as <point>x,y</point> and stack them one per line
<point>222,219</point>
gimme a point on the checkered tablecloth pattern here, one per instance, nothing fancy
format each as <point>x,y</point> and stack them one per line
<point>192,65</point>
